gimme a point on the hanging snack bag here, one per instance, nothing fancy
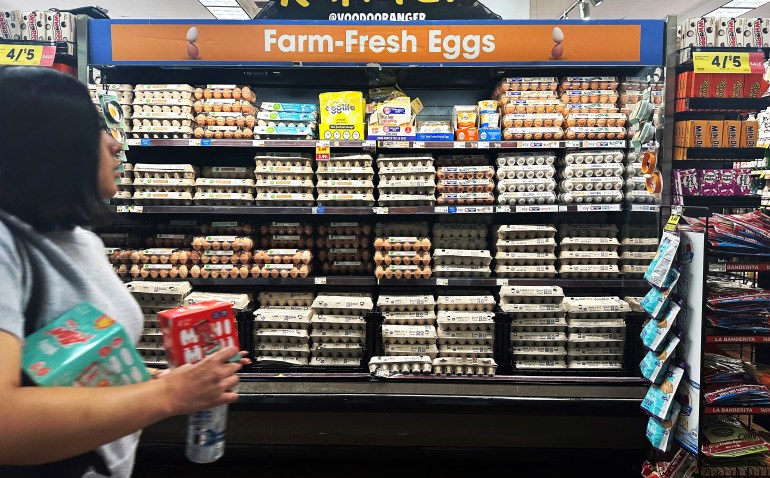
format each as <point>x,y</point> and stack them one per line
<point>656,331</point>
<point>660,433</point>
<point>664,260</point>
<point>659,398</point>
<point>654,365</point>
<point>656,300</point>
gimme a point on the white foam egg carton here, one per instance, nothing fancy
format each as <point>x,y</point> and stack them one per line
<point>591,184</point>
<point>526,172</point>
<point>227,172</point>
<point>596,325</point>
<point>594,364</point>
<point>461,257</point>
<point>591,197</point>
<point>294,361</point>
<point>543,324</point>
<point>588,257</point>
<point>281,350</point>
<point>594,157</point>
<point>417,317</point>
<point>592,170</point>
<point>465,350</point>
<point>285,299</point>
<point>405,200</point>
<point>282,336</point>
<point>465,337</point>
<point>465,303</point>
<point>535,352</point>
<point>541,364</point>
<point>526,159</point>
<point>163,198</point>
<point>327,304</point>
<point>641,197</point>
<point>395,365</point>
<point>526,185</point>
<point>164,171</point>
<point>326,361</point>
<point>337,350</point>
<point>596,244</point>
<point>509,232</point>
<point>285,199</point>
<point>338,336</point>
<point>465,172</point>
<point>464,366</point>
<point>409,334</point>
<point>536,339</point>
<point>542,245</point>
<point>526,272</point>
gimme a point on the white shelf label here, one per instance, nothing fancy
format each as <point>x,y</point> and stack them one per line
<point>323,144</point>
<point>136,209</point>
<point>548,208</point>
<point>380,210</point>
<point>598,207</point>
<point>442,281</point>
<point>369,144</point>
<point>645,207</point>
<point>258,143</point>
<point>483,145</point>
<point>194,142</point>
<point>503,208</point>
<point>418,145</point>
<point>134,142</point>
<point>320,280</point>
<point>122,209</point>
<point>460,144</point>
<point>717,268</point>
<point>502,282</point>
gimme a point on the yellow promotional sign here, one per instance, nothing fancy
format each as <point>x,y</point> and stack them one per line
<point>720,62</point>
<point>27,55</point>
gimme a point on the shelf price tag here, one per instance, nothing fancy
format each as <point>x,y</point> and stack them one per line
<point>320,280</point>
<point>442,281</point>
<point>322,151</point>
<point>720,62</point>
<point>27,55</point>
<point>673,220</point>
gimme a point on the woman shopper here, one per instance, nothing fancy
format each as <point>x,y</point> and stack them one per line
<point>57,165</point>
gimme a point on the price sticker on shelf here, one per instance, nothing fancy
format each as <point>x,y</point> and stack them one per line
<point>320,281</point>
<point>442,281</point>
<point>323,151</point>
<point>730,63</point>
<point>673,221</point>
<point>502,282</point>
<point>460,145</point>
<point>27,55</point>
<point>483,145</point>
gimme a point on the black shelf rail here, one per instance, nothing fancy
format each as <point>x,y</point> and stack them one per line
<point>726,105</point>
<point>725,154</point>
<point>723,202</point>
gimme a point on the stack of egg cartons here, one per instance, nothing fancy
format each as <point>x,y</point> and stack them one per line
<point>154,297</point>
<point>239,301</point>
<point>338,333</point>
<point>221,256</point>
<point>526,178</point>
<point>464,179</point>
<point>597,332</point>
<point>538,337</point>
<point>637,249</point>
<point>461,250</point>
<point>531,109</point>
<point>162,111</point>
<point>125,184</point>
<point>591,177</point>
<point>287,121</point>
<point>284,179</point>
<point>346,180</point>
<point>588,251</point>
<point>224,112</point>
<point>466,334</point>
<point>525,251</point>
<point>344,248</point>
<point>225,186</point>
<point>164,184</point>
<point>281,327</point>
<point>591,108</point>
<point>402,251</point>
<point>286,250</point>
<point>636,183</point>
<point>408,334</point>
<point>406,180</point>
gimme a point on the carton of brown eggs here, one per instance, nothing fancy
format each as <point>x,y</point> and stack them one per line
<point>398,365</point>
<point>525,251</point>
<point>466,185</point>
<point>406,180</point>
<point>224,111</point>
<point>398,244</point>
<point>464,366</point>
<point>548,83</point>
<point>346,180</point>
<point>345,248</point>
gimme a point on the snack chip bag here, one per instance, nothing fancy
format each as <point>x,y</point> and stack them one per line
<point>664,260</point>
<point>655,332</point>
<point>654,365</point>
<point>659,398</point>
<point>660,432</point>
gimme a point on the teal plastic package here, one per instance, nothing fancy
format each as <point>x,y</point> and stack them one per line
<point>655,332</point>
<point>664,260</point>
<point>654,365</point>
<point>659,399</point>
<point>660,432</point>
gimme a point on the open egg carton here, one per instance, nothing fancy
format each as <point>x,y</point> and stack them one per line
<point>271,126</point>
<point>588,251</point>
<point>466,185</point>
<point>597,332</point>
<point>391,366</point>
<point>282,328</point>
<point>525,251</point>
<point>538,326</point>
<point>346,180</point>
<point>637,249</point>
<point>338,331</point>
<point>399,242</point>
<point>162,111</point>
<point>154,297</point>
<point>344,248</point>
<point>406,180</point>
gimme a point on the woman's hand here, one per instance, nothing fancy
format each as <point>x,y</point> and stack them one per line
<point>206,384</point>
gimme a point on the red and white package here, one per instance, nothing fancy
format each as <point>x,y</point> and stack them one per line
<point>192,332</point>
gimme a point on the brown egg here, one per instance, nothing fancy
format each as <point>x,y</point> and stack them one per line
<point>198,106</point>
<point>250,121</point>
<point>183,271</point>
<point>217,107</point>
<point>304,270</point>
<point>274,273</point>
<point>236,108</point>
<point>398,274</point>
<point>285,273</point>
<point>198,133</point>
<point>243,272</point>
<point>255,271</point>
<point>208,134</point>
<point>163,273</point>
<point>123,270</point>
<point>205,274</point>
<point>426,245</point>
<point>264,272</point>
<point>237,93</point>
<point>198,93</point>
<point>234,273</point>
<point>427,272</point>
<point>407,274</point>
<point>195,272</point>
<point>221,121</point>
<point>208,107</point>
<point>174,272</point>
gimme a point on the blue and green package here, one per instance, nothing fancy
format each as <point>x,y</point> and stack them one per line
<point>654,365</point>
<point>659,399</point>
<point>655,332</point>
<point>660,432</point>
<point>664,260</point>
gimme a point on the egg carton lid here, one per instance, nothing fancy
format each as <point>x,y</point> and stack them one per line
<point>639,241</point>
<point>588,255</point>
<point>546,337</point>
<point>262,321</point>
<point>337,346</point>
<point>596,323</point>
<point>540,364</point>
<point>404,156</point>
<point>538,241</point>
<point>162,115</point>
<point>421,359</point>
<point>529,291</point>
<point>335,361</point>
<point>592,166</point>
<point>296,333</point>
<point>406,183</point>
<point>634,269</point>
<point>514,308</point>
<point>294,156</point>
<point>482,254</point>
<point>161,288</point>
<point>397,315</point>
<point>164,168</point>
<point>423,331</point>
<point>222,182</point>
<point>466,349</point>
<point>346,183</point>
<point>175,182</point>
<point>642,256</point>
<point>464,334</point>
<point>338,319</point>
<point>577,350</point>
<point>406,198</point>
<point>589,269</point>
<point>526,228</point>
<point>298,361</point>
<point>603,179</point>
<point>170,196</point>
<point>545,269</point>
<point>540,322</point>
<point>238,301</point>
<point>286,295</point>
<point>596,337</point>
<point>595,364</point>
<point>283,170</point>
<point>351,157</point>
<point>163,87</point>
<point>481,361</point>
<point>199,196</point>
<point>287,116</point>
<point>122,195</point>
<point>589,241</point>
<point>292,183</point>
<point>597,129</point>
<point>284,196</point>
<point>366,172</point>
<point>539,350</point>
<point>289,311</point>
<point>162,102</point>
<point>343,302</point>
<point>449,317</point>
<point>351,333</point>
<point>465,299</point>
<point>407,170</point>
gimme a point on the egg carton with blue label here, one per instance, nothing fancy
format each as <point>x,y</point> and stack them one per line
<point>464,366</point>
<point>287,117</point>
<point>466,350</point>
<point>289,107</point>
<point>398,365</point>
<point>337,350</point>
<point>415,317</point>
<point>285,132</point>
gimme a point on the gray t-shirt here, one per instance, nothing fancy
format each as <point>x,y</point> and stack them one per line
<point>68,268</point>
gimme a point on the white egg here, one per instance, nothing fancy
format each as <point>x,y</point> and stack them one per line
<point>192,35</point>
<point>557,35</point>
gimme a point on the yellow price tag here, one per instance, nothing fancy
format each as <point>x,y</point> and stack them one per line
<point>322,153</point>
<point>27,55</point>
<point>673,222</point>
<point>737,63</point>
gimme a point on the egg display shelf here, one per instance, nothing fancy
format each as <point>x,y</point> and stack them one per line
<point>248,143</point>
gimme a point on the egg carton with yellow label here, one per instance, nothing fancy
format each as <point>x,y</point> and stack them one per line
<point>588,258</point>
<point>595,133</point>
<point>590,326</point>
<point>526,185</point>
<point>577,185</point>
<point>163,198</point>
<point>164,185</point>
<point>526,172</point>
<point>526,272</point>
<point>164,171</point>
<point>541,244</point>
<point>388,258</point>
<point>264,349</point>
<point>592,170</point>
<point>285,299</point>
<point>285,199</point>
<point>337,350</point>
<point>225,242</point>
<point>465,337</point>
<point>533,120</point>
<point>524,258</point>
<point>298,185</point>
<point>596,120</point>
<point>527,198</point>
<point>338,336</point>
<point>397,365</point>
<point>338,322</point>
<point>596,244</point>
<point>536,134</point>
<point>464,366</point>
<point>542,324</point>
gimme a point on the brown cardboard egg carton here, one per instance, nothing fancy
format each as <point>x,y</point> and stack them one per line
<point>467,351</point>
<point>532,120</point>
<point>526,272</point>
<point>526,172</point>
<point>588,258</point>
<point>285,299</point>
<point>284,271</point>
<point>527,185</point>
<point>464,366</point>
<point>465,337</point>
<point>466,186</point>
<point>540,244</point>
<point>298,184</point>
<point>388,258</point>
<point>466,321</point>
<point>338,336</point>
<point>221,185</point>
<point>414,174</point>
<point>463,199</point>
<point>217,92</point>
<point>282,319</point>
<point>163,198</point>
<point>227,172</point>
<point>164,171</point>
<point>338,322</point>
<point>337,350</point>
<point>524,258</point>
<point>546,158</point>
<point>398,365</point>
<point>223,242</point>
<point>536,134</point>
<point>404,160</point>
<point>576,185</point>
<point>465,302</point>
<point>164,185</point>
<point>282,360</point>
<point>238,301</point>
<point>285,199</point>
<point>415,317</point>
<point>592,170</point>
<point>264,349</point>
<point>461,257</point>
<point>527,198</point>
<point>282,336</point>
<point>347,160</point>
<point>465,172</point>
<point>346,199</point>
<point>590,83</point>
<point>555,323</point>
<point>591,326</point>
<point>534,339</point>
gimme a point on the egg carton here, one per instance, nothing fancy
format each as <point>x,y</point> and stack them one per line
<point>161,132</point>
<point>285,299</point>
<point>409,334</point>
<point>284,271</point>
<point>227,173</point>
<point>289,131</point>
<point>160,292</point>
<point>575,271</point>
<point>122,197</point>
<point>402,229</point>
<point>633,170</point>
<point>304,186</point>
<point>466,321</point>
<point>598,325</point>
<point>465,199</point>
<point>164,171</point>
<point>589,96</point>
<point>462,271</point>
<point>329,304</point>
<point>537,339</point>
<point>221,271</point>
<point>293,361</point>
<point>281,350</point>
<point>588,258</point>
<point>224,199</point>
<point>540,364</point>
<point>282,319</point>
<point>403,272</point>
<point>155,355</point>
<point>538,121</point>
<point>526,172</point>
<point>595,353</point>
<point>594,121</point>
<point>346,199</point>
<point>524,258</point>
<point>289,107</point>
<point>417,317</point>
<point>278,227</point>
<point>337,350</point>
<point>460,257</point>
<point>596,244</point>
<point>594,364</point>
<point>347,268</point>
<point>222,115</point>
<point>597,339</point>
<point>596,305</point>
<point>283,173</point>
<point>344,254</point>
<point>526,185</point>
<point>525,232</point>
<point>526,159</point>
<point>465,172</point>
<point>591,197</point>
<point>590,83</point>
<point>637,258</point>
<point>533,294</point>
<point>276,160</point>
<point>526,83</point>
<point>534,352</point>
<point>405,200</point>
<point>151,88</point>
<point>154,271</point>
<point>162,119</point>
<point>225,257</point>
<point>285,117</point>
<point>343,241</point>
<point>222,242</point>
<point>591,184</point>
<point>431,350</point>
<point>464,366</point>
<point>338,336</point>
<point>408,186</point>
<point>402,243</point>
<point>285,199</point>
<point>281,336</point>
<point>465,337</point>
<point>159,106</point>
<point>639,244</point>
<point>592,171</point>
<point>463,350</point>
<point>636,184</point>
<point>335,361</point>
<point>521,106</point>
<point>223,107</point>
<point>283,256</point>
<point>542,324</point>
<point>404,160</point>
<point>163,185</point>
<point>641,197</point>
<point>465,186</point>
<point>347,159</point>
<point>396,365</point>
<point>541,244</point>
<point>468,303</point>
<point>531,310</point>
<point>460,243</point>
<point>526,272</point>
<point>529,134</point>
<point>225,91</point>
<point>588,230</point>
<point>462,160</point>
<point>635,303</point>
<point>527,198</point>
<point>345,186</point>
<point>238,301</point>
<point>594,157</point>
<point>163,198</point>
<point>413,173</point>
<point>450,230</point>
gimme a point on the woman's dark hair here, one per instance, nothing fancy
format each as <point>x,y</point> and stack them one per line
<point>49,150</point>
